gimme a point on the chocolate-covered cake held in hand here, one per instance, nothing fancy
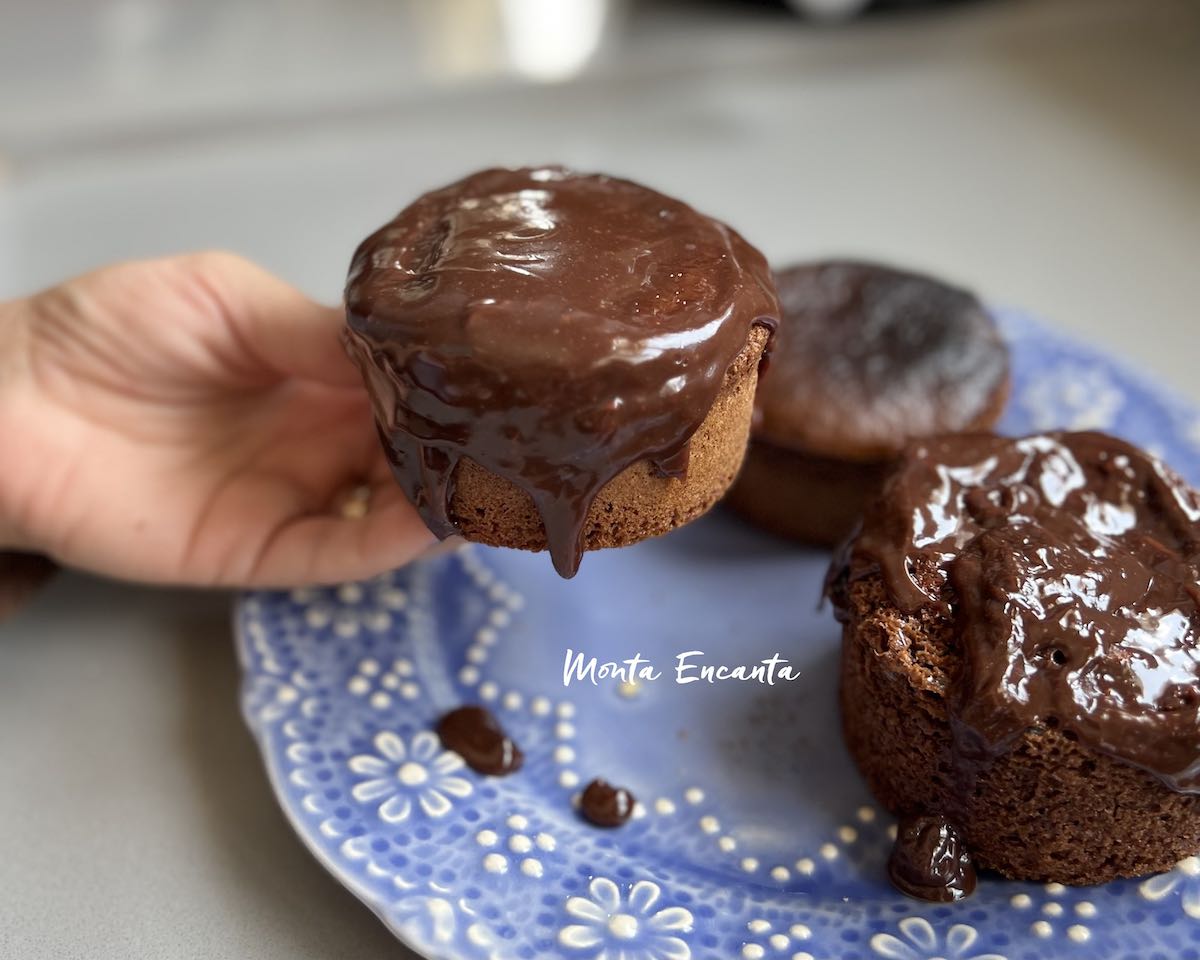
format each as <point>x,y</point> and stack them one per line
<point>866,359</point>
<point>559,360</point>
<point>1021,652</point>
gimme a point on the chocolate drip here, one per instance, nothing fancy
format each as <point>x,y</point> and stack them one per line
<point>476,736</point>
<point>1071,566</point>
<point>929,860</point>
<point>555,328</point>
<point>606,805</point>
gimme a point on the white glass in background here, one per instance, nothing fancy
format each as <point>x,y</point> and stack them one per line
<point>543,40</point>
<point>553,40</point>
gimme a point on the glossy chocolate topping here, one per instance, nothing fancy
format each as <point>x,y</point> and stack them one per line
<point>1071,565</point>
<point>867,357</point>
<point>929,860</point>
<point>476,736</point>
<point>605,805</point>
<point>553,327</point>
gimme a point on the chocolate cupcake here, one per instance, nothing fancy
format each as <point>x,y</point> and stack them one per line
<point>1021,654</point>
<point>866,359</point>
<point>559,360</point>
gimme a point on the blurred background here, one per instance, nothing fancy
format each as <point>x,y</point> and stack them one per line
<point>1044,152</point>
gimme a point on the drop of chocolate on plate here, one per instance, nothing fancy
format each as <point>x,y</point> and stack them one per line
<point>930,861</point>
<point>606,805</point>
<point>476,736</point>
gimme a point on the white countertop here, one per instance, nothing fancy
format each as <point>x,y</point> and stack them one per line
<point>1046,152</point>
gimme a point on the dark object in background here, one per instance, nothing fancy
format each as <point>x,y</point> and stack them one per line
<point>829,9</point>
<point>835,11</point>
<point>21,576</point>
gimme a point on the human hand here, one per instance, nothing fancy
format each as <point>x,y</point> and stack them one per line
<point>191,420</point>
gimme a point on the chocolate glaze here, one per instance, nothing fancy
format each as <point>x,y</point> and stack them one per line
<point>929,860</point>
<point>476,736</point>
<point>606,805</point>
<point>1071,565</point>
<point>867,357</point>
<point>555,328</point>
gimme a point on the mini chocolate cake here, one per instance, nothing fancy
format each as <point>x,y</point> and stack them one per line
<point>559,360</point>
<point>866,359</point>
<point>1021,653</point>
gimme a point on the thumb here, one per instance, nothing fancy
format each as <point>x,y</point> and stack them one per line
<point>282,329</point>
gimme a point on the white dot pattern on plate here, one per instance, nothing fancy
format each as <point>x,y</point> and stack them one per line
<point>769,939</point>
<point>322,684</point>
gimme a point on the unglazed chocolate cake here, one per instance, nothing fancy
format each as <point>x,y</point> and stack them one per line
<point>557,359</point>
<point>866,359</point>
<point>1021,659</point>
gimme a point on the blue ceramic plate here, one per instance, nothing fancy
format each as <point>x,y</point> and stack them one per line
<point>753,838</point>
